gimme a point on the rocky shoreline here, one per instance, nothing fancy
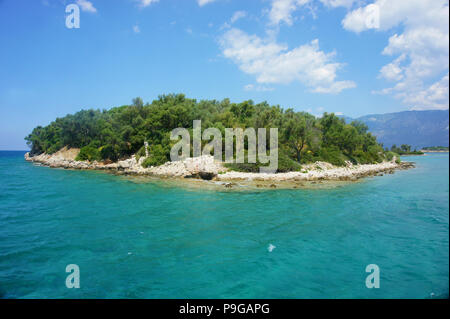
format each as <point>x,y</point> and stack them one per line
<point>206,168</point>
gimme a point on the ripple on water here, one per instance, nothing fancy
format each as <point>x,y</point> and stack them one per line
<point>146,238</point>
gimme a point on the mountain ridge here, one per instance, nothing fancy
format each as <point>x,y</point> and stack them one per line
<point>416,128</point>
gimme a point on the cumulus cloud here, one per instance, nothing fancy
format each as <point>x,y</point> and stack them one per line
<point>136,29</point>
<point>434,97</point>
<point>338,3</point>
<point>393,71</point>
<point>146,3</point>
<point>86,6</point>
<point>201,3</point>
<point>421,49</point>
<point>281,10</point>
<point>238,15</point>
<point>335,87</point>
<point>272,63</point>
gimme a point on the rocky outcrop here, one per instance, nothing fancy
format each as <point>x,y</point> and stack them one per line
<point>320,171</point>
<point>204,167</point>
<point>58,160</point>
<point>207,168</point>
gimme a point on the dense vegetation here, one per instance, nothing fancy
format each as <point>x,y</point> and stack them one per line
<point>121,131</point>
<point>405,149</point>
<point>436,148</point>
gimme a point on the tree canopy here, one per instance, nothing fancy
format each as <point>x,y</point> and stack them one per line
<point>121,131</point>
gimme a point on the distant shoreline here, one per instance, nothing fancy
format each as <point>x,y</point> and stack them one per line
<point>206,168</point>
<point>424,151</point>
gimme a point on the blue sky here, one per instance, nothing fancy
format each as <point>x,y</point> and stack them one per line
<point>339,56</point>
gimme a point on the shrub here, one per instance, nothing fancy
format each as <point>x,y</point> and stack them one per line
<point>158,156</point>
<point>244,167</point>
<point>89,153</point>
<point>285,164</point>
<point>362,157</point>
<point>332,155</point>
<point>390,155</point>
<point>140,153</point>
<point>53,149</point>
<point>109,152</point>
<point>308,157</point>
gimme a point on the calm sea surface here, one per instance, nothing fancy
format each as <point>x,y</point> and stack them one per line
<point>150,240</point>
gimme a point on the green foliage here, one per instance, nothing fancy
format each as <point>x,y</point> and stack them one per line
<point>405,150</point>
<point>89,153</point>
<point>285,164</point>
<point>436,148</point>
<point>121,131</point>
<point>140,153</point>
<point>390,155</point>
<point>332,155</point>
<point>244,167</point>
<point>109,152</point>
<point>158,156</point>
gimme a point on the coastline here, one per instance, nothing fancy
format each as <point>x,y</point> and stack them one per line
<point>206,168</point>
<point>425,151</point>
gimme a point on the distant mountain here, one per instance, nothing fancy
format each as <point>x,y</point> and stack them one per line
<point>416,128</point>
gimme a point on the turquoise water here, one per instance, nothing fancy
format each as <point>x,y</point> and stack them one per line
<point>147,240</point>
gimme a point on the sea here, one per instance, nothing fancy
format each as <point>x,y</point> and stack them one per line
<point>145,238</point>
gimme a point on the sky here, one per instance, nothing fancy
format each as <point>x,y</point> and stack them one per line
<point>350,57</point>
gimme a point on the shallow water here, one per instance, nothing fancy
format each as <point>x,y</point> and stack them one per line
<point>138,239</point>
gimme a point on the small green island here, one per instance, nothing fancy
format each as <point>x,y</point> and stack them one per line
<point>314,148</point>
<point>405,149</point>
<point>431,149</point>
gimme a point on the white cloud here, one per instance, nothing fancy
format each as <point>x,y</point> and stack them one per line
<point>86,6</point>
<point>434,97</point>
<point>136,29</point>
<point>201,3</point>
<point>146,3</point>
<point>363,18</point>
<point>335,87</point>
<point>238,15</point>
<point>273,63</point>
<point>395,12</point>
<point>393,71</point>
<point>281,10</point>
<point>317,112</point>
<point>338,3</point>
<point>421,49</point>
